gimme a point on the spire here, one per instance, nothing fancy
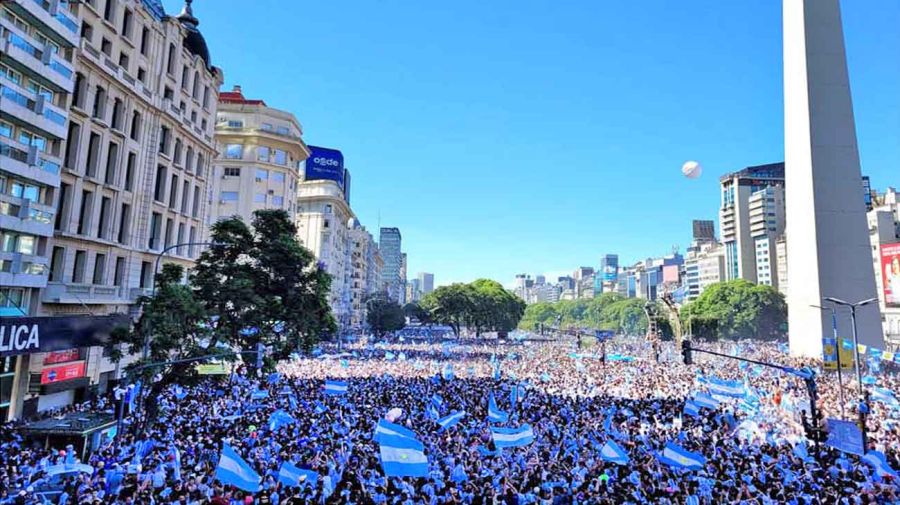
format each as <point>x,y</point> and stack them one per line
<point>187,15</point>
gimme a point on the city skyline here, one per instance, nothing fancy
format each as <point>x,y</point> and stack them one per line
<point>518,121</point>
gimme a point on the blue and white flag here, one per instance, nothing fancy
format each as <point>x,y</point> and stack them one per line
<point>175,454</point>
<point>234,471</point>
<point>512,437</point>
<point>180,393</point>
<point>734,389</point>
<point>432,412</point>
<point>495,415</point>
<point>691,409</point>
<point>403,457</point>
<point>386,428</point>
<point>259,394</point>
<point>292,400</point>
<point>801,452</point>
<point>678,457</point>
<point>320,407</point>
<point>437,401</point>
<point>496,373</point>
<point>280,418</point>
<point>705,401</point>
<point>274,378</point>
<point>448,372</point>
<point>613,453</point>
<point>877,461</point>
<point>450,421</point>
<point>885,396</point>
<point>335,387</point>
<point>513,396</point>
<point>291,475</point>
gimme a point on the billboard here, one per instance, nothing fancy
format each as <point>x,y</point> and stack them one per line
<point>324,163</point>
<point>62,356</point>
<point>670,273</point>
<point>25,335</point>
<point>61,373</point>
<point>890,273</point>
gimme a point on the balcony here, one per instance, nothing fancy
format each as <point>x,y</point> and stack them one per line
<point>28,162</point>
<point>25,216</point>
<point>23,270</point>
<point>87,294</point>
<point>32,109</point>
<point>52,14</point>
<point>38,62</point>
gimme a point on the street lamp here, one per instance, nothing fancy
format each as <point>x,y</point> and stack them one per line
<point>837,354</point>
<point>863,403</point>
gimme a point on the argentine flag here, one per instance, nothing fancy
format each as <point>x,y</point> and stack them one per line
<point>280,418</point>
<point>450,421</point>
<point>613,453</point>
<point>512,437</point>
<point>335,387</point>
<point>691,409</point>
<point>495,415</point>
<point>403,457</point>
<point>734,389</point>
<point>291,475</point>
<point>678,457</point>
<point>437,401</point>
<point>885,396</point>
<point>387,428</point>
<point>233,470</point>
<point>877,461</point>
<point>705,401</point>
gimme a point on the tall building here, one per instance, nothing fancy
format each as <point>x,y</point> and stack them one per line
<point>781,264</point>
<point>324,225</point>
<point>365,277</point>
<point>703,230</point>
<point>735,216</point>
<point>766,225</point>
<point>403,278</point>
<point>884,236</point>
<point>259,165</point>
<point>413,290</point>
<point>389,242</point>
<point>540,280</point>
<point>426,282</point>
<point>829,251</point>
<point>37,71</point>
<point>609,273</point>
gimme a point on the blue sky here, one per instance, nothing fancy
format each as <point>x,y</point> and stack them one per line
<point>534,136</point>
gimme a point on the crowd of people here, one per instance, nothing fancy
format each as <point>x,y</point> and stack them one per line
<point>753,449</point>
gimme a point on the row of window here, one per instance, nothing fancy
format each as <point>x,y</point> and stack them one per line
<point>261,175</point>
<point>25,136</point>
<point>161,238</point>
<point>30,84</point>
<point>99,273</point>
<point>14,242</point>
<point>233,196</point>
<point>266,127</point>
<point>263,153</point>
<point>160,192</point>
<point>26,190</point>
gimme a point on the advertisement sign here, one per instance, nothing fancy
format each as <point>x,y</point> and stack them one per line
<point>670,273</point>
<point>890,273</point>
<point>25,335</point>
<point>62,356</point>
<point>212,369</point>
<point>830,350</point>
<point>61,373</point>
<point>324,163</point>
<point>609,273</point>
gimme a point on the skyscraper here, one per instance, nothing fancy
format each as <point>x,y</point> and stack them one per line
<point>609,273</point>
<point>704,230</point>
<point>735,216</point>
<point>828,249</point>
<point>389,243</point>
<point>426,282</point>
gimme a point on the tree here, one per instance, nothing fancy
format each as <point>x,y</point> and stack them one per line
<point>384,315</point>
<point>261,286</point>
<point>171,328</point>
<point>483,305</point>
<point>737,309</point>
<point>415,311</point>
<point>449,305</point>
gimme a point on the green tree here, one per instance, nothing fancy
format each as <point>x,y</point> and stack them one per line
<point>384,315</point>
<point>483,305</point>
<point>736,309</point>
<point>415,311</point>
<point>261,286</point>
<point>537,314</point>
<point>171,328</point>
<point>449,305</point>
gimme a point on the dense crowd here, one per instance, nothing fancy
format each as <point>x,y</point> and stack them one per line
<point>575,400</point>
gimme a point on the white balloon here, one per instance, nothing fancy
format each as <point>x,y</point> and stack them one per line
<point>691,169</point>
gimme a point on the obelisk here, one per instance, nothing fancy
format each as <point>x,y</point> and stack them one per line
<point>828,247</point>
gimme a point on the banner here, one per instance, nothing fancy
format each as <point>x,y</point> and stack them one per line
<point>62,356</point>
<point>890,269</point>
<point>26,335</point>
<point>61,373</point>
<point>830,352</point>
<point>212,369</point>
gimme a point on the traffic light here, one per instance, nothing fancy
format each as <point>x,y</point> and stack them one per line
<point>686,352</point>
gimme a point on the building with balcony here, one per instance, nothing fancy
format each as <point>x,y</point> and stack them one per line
<point>766,216</point>
<point>365,277</point>
<point>261,151</point>
<point>734,217</point>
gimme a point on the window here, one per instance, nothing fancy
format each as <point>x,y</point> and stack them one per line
<point>262,153</point>
<point>191,238</point>
<point>57,264</point>
<point>169,225</point>
<point>170,62</point>
<point>179,238</point>
<point>159,187</point>
<point>119,275</point>
<point>129,172</point>
<point>278,201</point>
<point>6,129</point>
<point>123,60</point>
<point>262,175</point>
<point>280,157</point>
<point>199,169</point>
<point>87,31</point>
<point>99,269</point>
<point>232,172</point>
<point>146,272</point>
<point>266,127</point>
<point>142,74</point>
<point>176,154</point>
<point>33,139</point>
<point>189,159</point>
<point>234,151</point>
<point>195,93</point>
<point>195,203</point>
<point>235,123</point>
<point>99,110</point>
<point>109,10</point>
<point>84,215</point>
<point>282,130</point>
<point>184,77</point>
<point>163,139</point>
<point>259,198</point>
<point>117,114</point>
<point>106,47</point>
<point>103,222</point>
<point>145,34</point>
<point>206,98</point>
<point>112,159</point>
<point>278,177</point>
<point>71,144</point>
<point>135,125</point>
<point>155,224</point>
<point>26,244</point>
<point>93,154</point>
<point>124,223</point>
<point>78,270</point>
<point>185,190</point>
<point>173,192</point>
<point>229,196</point>
<point>62,205</point>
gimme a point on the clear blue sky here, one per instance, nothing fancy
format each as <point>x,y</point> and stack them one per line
<point>534,136</point>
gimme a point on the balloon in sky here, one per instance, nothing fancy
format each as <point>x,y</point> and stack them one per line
<point>691,169</point>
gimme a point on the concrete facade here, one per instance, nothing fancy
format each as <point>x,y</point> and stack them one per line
<point>828,251</point>
<point>390,243</point>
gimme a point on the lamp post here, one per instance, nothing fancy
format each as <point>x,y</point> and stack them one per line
<point>837,352</point>
<point>863,404</point>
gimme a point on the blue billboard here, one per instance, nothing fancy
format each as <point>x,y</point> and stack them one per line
<point>324,163</point>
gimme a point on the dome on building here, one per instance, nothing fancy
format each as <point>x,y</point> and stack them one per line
<point>194,41</point>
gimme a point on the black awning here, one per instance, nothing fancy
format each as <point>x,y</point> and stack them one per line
<point>75,423</point>
<point>26,335</point>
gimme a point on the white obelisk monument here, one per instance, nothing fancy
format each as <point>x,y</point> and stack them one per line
<point>828,247</point>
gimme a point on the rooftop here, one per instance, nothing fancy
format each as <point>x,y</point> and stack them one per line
<point>236,96</point>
